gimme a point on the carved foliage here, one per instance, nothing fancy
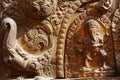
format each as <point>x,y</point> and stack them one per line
<point>59,38</point>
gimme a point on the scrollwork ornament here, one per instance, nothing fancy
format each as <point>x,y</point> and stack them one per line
<point>59,38</point>
<point>18,56</point>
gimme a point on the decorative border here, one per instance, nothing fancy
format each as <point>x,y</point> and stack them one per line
<point>60,73</point>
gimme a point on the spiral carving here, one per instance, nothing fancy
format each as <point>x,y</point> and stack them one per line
<point>11,32</point>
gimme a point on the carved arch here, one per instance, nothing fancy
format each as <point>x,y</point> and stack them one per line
<point>60,73</point>
<point>72,53</point>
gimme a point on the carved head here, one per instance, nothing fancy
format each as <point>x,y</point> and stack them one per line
<point>92,26</point>
<point>106,4</point>
<point>39,8</point>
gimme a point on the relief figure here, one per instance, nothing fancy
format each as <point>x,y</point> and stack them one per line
<point>94,45</point>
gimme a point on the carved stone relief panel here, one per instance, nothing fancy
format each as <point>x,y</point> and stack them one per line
<point>89,49</point>
<point>28,38</point>
<point>59,38</point>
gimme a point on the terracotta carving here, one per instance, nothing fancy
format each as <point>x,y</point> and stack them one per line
<point>48,39</point>
<point>93,44</point>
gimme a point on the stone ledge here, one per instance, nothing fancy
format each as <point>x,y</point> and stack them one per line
<point>107,78</point>
<point>42,78</point>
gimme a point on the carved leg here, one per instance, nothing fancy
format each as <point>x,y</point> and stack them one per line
<point>105,60</point>
<point>105,64</point>
<point>88,56</point>
<point>87,66</point>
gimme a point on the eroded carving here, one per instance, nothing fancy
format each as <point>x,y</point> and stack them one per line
<point>17,56</point>
<point>32,51</point>
<point>59,38</point>
<point>93,45</point>
<point>80,49</point>
<point>39,8</point>
<point>115,30</point>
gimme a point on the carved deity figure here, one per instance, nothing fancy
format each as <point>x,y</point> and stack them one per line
<point>94,44</point>
<point>94,41</point>
<point>35,32</point>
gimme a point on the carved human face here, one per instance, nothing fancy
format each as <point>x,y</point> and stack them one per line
<point>40,8</point>
<point>106,4</point>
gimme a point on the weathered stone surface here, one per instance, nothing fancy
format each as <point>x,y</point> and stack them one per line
<point>60,39</point>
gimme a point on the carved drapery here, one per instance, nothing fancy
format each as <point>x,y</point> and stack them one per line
<point>59,38</point>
